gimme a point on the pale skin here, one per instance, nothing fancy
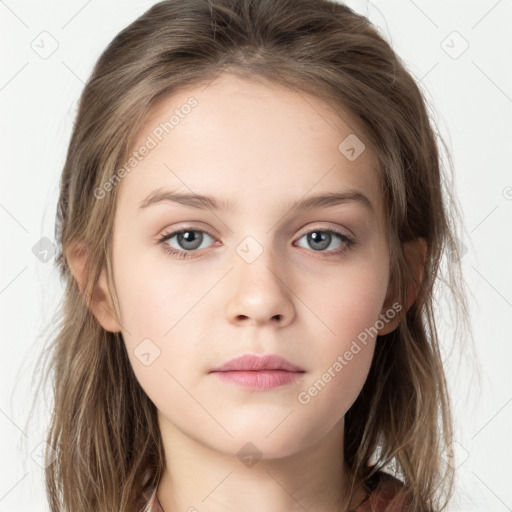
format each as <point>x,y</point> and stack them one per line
<point>263,147</point>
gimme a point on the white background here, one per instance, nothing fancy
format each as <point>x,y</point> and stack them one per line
<point>471,93</point>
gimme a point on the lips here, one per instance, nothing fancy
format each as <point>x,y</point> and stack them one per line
<point>253,362</point>
<point>259,372</point>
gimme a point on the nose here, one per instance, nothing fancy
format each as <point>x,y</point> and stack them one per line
<point>261,294</point>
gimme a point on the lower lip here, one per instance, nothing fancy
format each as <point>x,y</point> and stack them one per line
<point>260,380</point>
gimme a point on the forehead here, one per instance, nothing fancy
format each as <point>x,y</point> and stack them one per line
<point>247,142</point>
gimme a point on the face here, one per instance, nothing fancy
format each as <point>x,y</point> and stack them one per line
<point>251,273</point>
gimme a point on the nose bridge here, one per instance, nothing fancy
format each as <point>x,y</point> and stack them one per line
<point>260,292</point>
<point>258,258</point>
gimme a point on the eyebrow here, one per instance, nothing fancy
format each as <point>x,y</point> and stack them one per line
<point>321,200</point>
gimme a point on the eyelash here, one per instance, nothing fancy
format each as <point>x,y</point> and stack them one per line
<point>349,242</point>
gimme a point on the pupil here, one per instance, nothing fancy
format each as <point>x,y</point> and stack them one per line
<point>321,238</point>
<point>189,239</point>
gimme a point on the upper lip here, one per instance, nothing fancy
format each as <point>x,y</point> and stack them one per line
<point>254,362</point>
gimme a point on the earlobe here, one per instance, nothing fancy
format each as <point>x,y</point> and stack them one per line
<point>415,253</point>
<point>100,302</point>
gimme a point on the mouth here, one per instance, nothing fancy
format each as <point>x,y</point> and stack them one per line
<point>259,373</point>
<point>255,362</point>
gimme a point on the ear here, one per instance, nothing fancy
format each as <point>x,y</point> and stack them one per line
<point>415,253</point>
<point>100,303</point>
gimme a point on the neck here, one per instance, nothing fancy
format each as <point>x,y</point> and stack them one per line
<point>198,477</point>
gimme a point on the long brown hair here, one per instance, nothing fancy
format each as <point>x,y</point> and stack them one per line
<point>104,427</point>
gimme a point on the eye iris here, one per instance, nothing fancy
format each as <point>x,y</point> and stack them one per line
<point>319,237</point>
<point>190,237</point>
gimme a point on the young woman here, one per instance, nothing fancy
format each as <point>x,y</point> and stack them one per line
<point>251,222</point>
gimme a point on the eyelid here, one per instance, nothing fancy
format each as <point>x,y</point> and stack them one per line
<point>342,231</point>
<point>192,226</point>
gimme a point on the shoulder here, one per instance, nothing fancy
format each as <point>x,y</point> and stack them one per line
<point>385,490</point>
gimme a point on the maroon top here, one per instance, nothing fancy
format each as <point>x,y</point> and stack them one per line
<point>384,487</point>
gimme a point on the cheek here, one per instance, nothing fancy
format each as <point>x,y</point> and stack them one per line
<point>151,295</point>
<point>151,305</point>
<point>160,338</point>
<point>348,307</point>
<point>341,358</point>
<point>347,301</point>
